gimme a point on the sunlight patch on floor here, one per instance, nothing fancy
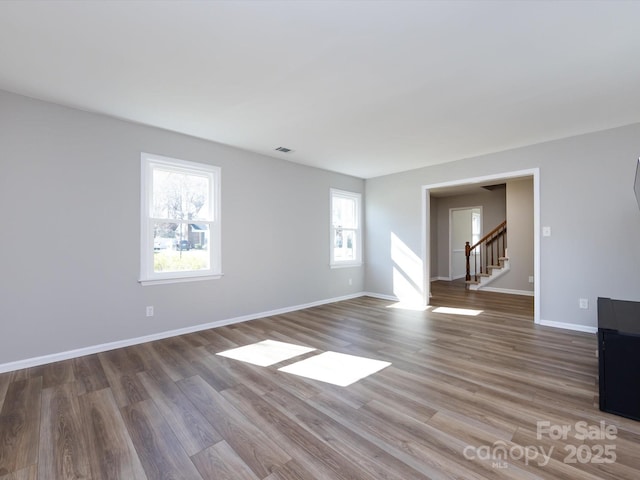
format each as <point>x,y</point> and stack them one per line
<point>457,311</point>
<point>266,353</point>
<point>409,306</point>
<point>335,368</point>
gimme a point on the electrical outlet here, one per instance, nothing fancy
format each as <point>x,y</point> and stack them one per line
<point>583,303</point>
<point>531,279</point>
<point>546,231</point>
<point>150,311</point>
<point>350,281</point>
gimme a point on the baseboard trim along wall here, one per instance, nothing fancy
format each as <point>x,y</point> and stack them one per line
<point>546,323</point>
<point>381,296</point>
<point>80,352</point>
<point>510,291</point>
<point>569,326</point>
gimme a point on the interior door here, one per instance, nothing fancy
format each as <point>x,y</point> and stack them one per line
<point>464,227</point>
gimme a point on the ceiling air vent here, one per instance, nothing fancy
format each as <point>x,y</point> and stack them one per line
<point>284,149</point>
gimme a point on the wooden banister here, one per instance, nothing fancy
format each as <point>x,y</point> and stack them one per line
<point>491,234</point>
<point>489,248</point>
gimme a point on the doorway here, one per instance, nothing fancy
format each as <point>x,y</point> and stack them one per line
<point>534,173</point>
<point>465,225</point>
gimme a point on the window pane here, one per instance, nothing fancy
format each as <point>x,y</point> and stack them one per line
<point>475,227</point>
<point>344,212</point>
<point>344,245</point>
<point>179,247</point>
<point>180,196</point>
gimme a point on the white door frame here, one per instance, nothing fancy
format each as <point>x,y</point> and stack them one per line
<point>426,227</point>
<point>451,210</point>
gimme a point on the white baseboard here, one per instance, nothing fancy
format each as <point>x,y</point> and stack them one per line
<point>444,279</point>
<point>507,290</point>
<point>569,326</point>
<point>80,352</point>
<point>391,298</point>
<point>546,323</point>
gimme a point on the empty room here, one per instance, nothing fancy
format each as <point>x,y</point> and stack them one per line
<point>272,240</point>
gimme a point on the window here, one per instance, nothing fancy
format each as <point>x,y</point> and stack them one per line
<point>475,226</point>
<point>180,230</point>
<point>346,238</point>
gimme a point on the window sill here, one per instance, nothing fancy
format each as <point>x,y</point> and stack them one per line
<point>160,281</point>
<point>345,265</point>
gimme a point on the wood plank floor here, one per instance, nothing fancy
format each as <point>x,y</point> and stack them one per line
<point>463,398</point>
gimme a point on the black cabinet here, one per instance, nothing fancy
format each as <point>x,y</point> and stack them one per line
<point>619,357</point>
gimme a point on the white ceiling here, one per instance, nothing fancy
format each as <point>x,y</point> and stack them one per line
<point>364,88</point>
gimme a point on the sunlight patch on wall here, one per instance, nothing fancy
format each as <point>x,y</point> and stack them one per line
<point>408,273</point>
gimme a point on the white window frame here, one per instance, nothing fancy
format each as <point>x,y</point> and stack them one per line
<point>357,197</point>
<point>147,274</point>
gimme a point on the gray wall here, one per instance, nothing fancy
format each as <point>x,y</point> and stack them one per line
<point>519,237</point>
<point>493,205</point>
<point>586,197</point>
<point>70,196</point>
<point>69,188</point>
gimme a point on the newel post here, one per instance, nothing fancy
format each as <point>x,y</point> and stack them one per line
<point>467,254</point>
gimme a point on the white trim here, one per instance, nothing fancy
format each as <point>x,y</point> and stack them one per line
<point>380,296</point>
<point>511,291</point>
<point>435,279</point>
<point>426,213</point>
<point>359,237</point>
<point>486,178</point>
<point>191,278</point>
<point>463,250</point>
<point>149,161</point>
<point>426,246</point>
<point>346,265</point>
<point>104,347</point>
<point>536,246</point>
<point>569,326</point>
<point>80,352</point>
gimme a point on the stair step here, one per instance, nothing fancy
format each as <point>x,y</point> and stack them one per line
<point>493,272</point>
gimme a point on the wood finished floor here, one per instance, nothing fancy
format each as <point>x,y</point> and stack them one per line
<point>172,409</point>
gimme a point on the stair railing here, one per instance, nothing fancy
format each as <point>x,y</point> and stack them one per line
<point>491,247</point>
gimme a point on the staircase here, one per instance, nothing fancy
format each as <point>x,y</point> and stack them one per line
<point>487,260</point>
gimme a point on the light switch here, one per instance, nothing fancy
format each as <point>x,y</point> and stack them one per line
<point>546,231</point>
